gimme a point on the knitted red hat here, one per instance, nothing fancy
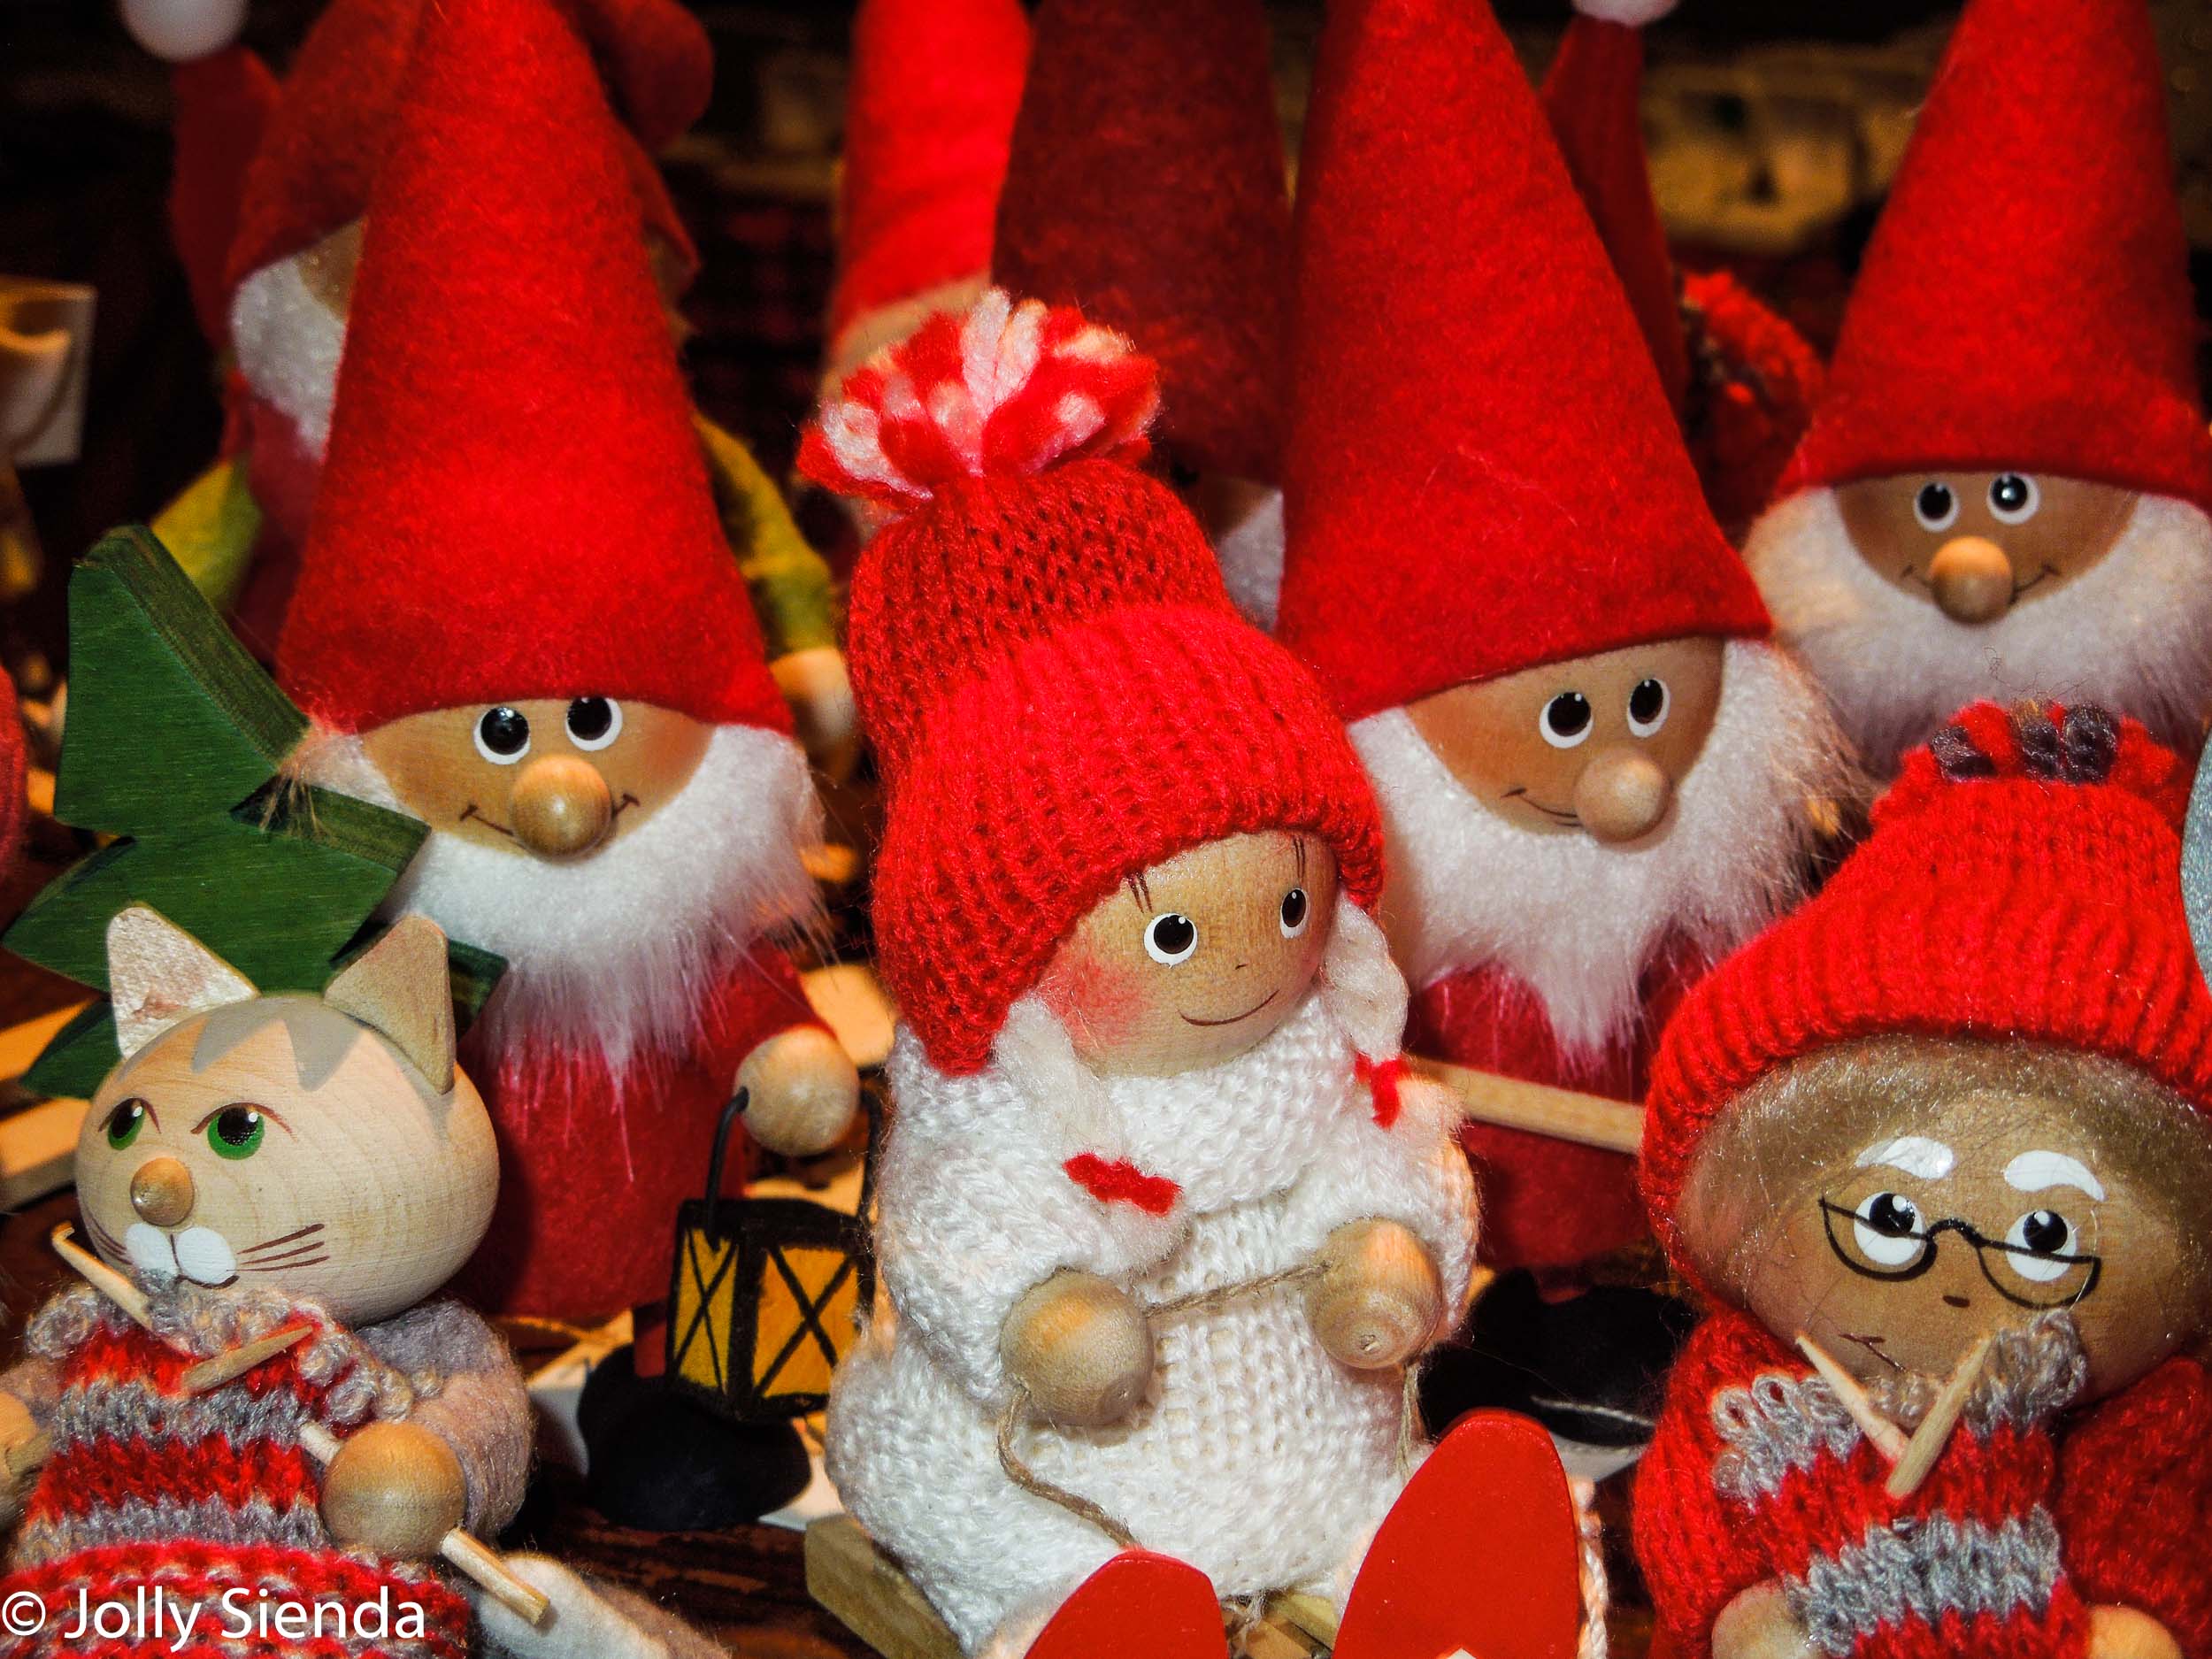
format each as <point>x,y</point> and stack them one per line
<point>1483,472</point>
<point>1148,186</point>
<point>2025,300</point>
<point>1591,96</point>
<point>334,119</point>
<point>515,503</point>
<point>929,114</point>
<point>2022,877</point>
<point>1059,692</point>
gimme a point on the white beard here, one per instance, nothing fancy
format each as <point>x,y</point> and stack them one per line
<point>1577,920</point>
<point>621,950</point>
<point>289,344</point>
<point>2133,632</point>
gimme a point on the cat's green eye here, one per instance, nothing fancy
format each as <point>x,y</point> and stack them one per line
<point>125,1122</point>
<point>236,1131</point>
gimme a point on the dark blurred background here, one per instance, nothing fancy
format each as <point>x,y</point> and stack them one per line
<point>1774,127</point>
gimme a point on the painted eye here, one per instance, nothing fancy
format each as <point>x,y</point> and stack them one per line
<point>1168,939</point>
<point>1296,912</point>
<point>2013,498</point>
<point>593,722</point>
<point>1565,720</point>
<point>125,1122</point>
<point>1885,1228</point>
<point>1647,707</point>
<point>502,735</point>
<point>236,1131</point>
<point>2038,1241</point>
<point>1935,506</point>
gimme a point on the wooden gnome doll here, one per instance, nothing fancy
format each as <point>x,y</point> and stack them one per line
<point>929,111</point>
<point>258,1425</point>
<point>1741,380</point>
<point>268,206</point>
<point>2004,490</point>
<point>516,621</point>
<point>1593,766</point>
<point>1161,114</point>
<point>1161,1217</point>
<point>1937,1146</point>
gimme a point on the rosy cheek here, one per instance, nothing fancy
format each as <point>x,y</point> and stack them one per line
<point>1104,1001</point>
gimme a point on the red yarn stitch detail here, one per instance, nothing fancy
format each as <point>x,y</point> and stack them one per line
<point>1382,1078</point>
<point>1121,1182</point>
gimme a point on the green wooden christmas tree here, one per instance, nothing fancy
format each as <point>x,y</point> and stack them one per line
<point>174,745</point>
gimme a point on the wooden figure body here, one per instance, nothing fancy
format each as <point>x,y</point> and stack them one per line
<point>258,1405</point>
<point>2005,486</point>
<point>1945,1166</point>
<point>1162,1219</point>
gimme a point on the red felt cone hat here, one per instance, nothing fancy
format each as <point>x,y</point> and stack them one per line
<point>333,121</point>
<point>929,114</point>
<point>2025,300</point>
<point>1483,472</point>
<point>1591,96</point>
<point>1147,186</point>
<point>515,502</point>
<point>223,103</point>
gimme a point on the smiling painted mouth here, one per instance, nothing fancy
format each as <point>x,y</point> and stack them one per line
<point>620,807</point>
<point>1521,793</point>
<point>1873,1345</point>
<point>1232,1019</point>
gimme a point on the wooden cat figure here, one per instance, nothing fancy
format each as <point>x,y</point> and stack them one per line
<point>283,1182</point>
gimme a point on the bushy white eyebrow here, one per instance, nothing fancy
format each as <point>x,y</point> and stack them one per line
<point>1915,1155</point>
<point>2035,1171</point>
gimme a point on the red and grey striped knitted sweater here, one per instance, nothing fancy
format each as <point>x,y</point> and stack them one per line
<point>153,1491</point>
<point>2031,1517</point>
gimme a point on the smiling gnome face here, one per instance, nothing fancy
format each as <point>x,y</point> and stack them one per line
<point>2004,490</point>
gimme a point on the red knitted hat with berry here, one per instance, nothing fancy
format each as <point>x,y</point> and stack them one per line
<point>1059,692</point>
<point>1483,472</point>
<point>1161,114</point>
<point>929,114</point>
<point>515,502</point>
<point>334,119</point>
<point>2023,879</point>
<point>2025,300</point>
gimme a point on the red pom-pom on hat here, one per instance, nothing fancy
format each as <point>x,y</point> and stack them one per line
<point>1003,392</point>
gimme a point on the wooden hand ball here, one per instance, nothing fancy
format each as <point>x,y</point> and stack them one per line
<point>1081,1347</point>
<point>2121,1632</point>
<point>396,1489</point>
<point>1380,1298</point>
<point>803,1092</point>
<point>1758,1625</point>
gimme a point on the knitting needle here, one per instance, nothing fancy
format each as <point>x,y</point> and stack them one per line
<point>1885,1436</point>
<point>233,1364</point>
<point>1934,1432</point>
<point>524,1600</point>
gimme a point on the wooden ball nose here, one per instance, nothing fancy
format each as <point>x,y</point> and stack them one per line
<point>1972,580</point>
<point>1622,794</point>
<point>161,1192</point>
<point>560,806</point>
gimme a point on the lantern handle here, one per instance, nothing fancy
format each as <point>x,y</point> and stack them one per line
<point>732,1111</point>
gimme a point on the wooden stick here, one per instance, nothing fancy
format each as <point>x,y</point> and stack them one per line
<point>1886,1437</point>
<point>1564,1114</point>
<point>1934,1432</point>
<point>211,1374</point>
<point>524,1600</point>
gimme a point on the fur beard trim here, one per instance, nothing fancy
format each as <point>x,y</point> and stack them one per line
<point>1229,1133</point>
<point>1579,921</point>
<point>288,343</point>
<point>1250,553</point>
<point>620,951</point>
<point>2134,632</point>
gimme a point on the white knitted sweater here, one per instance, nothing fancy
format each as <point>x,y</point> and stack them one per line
<point>1256,1457</point>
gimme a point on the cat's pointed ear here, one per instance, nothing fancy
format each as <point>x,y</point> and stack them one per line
<point>400,986</point>
<point>159,974</point>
